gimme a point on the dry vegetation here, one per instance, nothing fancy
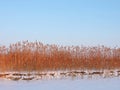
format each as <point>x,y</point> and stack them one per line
<point>34,56</point>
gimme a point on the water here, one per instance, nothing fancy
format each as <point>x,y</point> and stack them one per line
<point>62,84</point>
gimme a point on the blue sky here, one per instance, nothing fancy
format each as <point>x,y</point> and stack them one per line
<point>64,22</point>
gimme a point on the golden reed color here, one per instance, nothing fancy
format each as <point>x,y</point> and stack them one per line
<point>35,56</point>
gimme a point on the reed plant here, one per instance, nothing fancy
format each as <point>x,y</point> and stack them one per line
<point>35,56</point>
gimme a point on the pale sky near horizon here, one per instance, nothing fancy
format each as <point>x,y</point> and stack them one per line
<point>64,22</point>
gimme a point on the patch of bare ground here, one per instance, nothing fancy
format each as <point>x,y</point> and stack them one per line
<point>27,78</point>
<point>3,75</point>
<point>14,78</point>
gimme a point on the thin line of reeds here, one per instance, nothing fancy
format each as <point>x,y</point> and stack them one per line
<point>35,56</point>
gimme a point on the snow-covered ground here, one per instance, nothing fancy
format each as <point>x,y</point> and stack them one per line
<point>59,75</point>
<point>62,84</point>
<point>61,80</point>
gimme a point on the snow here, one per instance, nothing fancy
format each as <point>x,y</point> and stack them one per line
<point>59,74</point>
<point>62,84</point>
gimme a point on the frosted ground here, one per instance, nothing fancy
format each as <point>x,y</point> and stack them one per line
<point>62,84</point>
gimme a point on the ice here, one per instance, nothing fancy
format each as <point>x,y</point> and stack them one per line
<point>62,84</point>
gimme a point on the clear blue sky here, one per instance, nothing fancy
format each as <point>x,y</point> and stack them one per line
<point>67,22</point>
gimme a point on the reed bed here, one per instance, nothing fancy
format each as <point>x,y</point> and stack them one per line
<point>35,56</point>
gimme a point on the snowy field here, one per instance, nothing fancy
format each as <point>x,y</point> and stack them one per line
<point>62,84</point>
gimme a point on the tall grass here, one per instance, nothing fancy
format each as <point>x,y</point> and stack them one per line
<point>35,56</point>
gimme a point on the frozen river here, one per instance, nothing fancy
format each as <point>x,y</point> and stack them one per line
<point>62,84</point>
